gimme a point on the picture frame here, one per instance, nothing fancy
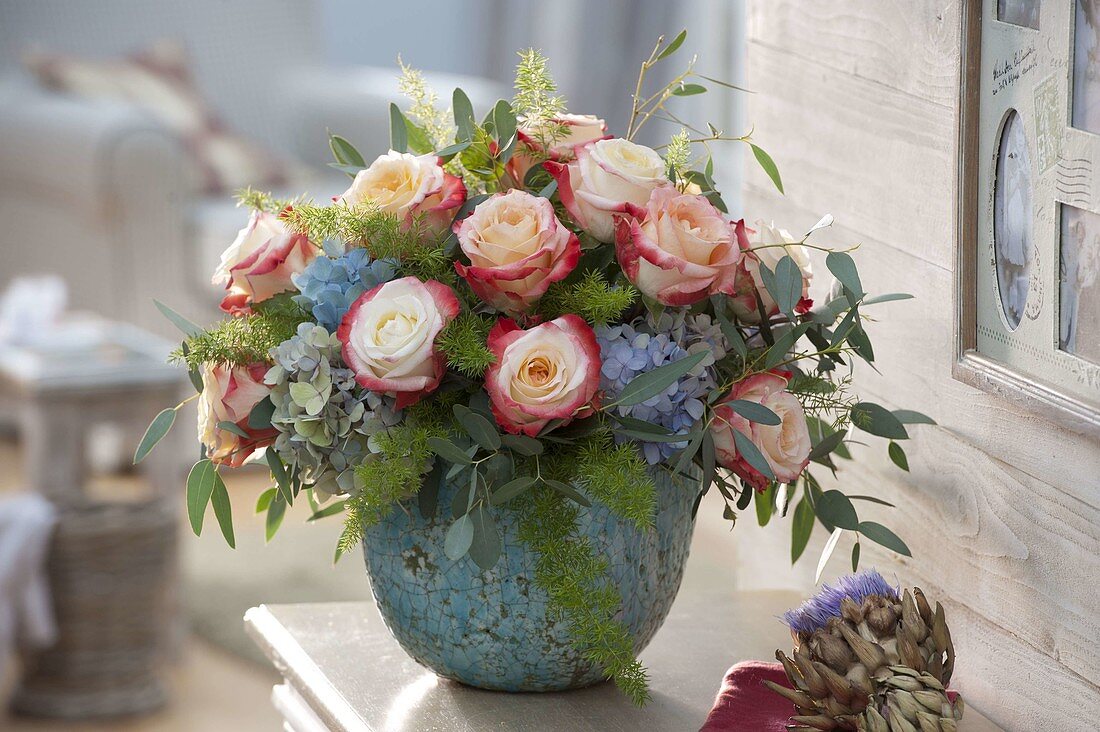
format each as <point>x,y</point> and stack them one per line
<point>1028,198</point>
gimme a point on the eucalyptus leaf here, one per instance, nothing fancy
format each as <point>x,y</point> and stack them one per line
<point>330,510</point>
<point>260,416</point>
<point>882,535</point>
<point>156,431</point>
<point>274,519</point>
<point>427,498</point>
<point>227,426</point>
<point>836,509</point>
<point>801,528</point>
<point>889,297</point>
<point>653,437</point>
<point>399,133</point>
<point>463,114</point>
<point>265,499</point>
<point>844,269</point>
<point>200,485</point>
<point>765,505</point>
<point>877,420</point>
<point>908,416</point>
<point>344,152</point>
<point>855,556</point>
<point>752,454</point>
<point>480,429</point>
<point>459,538</point>
<point>569,492</point>
<point>897,454</point>
<point>486,544</point>
<point>504,122</point>
<point>768,165</point>
<point>278,472</point>
<point>672,47</point>
<point>511,489</point>
<point>640,425</point>
<point>449,451</point>
<point>827,445</point>
<point>788,284</point>
<point>754,412</point>
<point>654,382</point>
<point>185,326</point>
<point>223,510</point>
<point>688,90</point>
<point>524,445</point>
<point>452,150</point>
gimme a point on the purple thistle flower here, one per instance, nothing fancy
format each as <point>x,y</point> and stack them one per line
<point>814,613</point>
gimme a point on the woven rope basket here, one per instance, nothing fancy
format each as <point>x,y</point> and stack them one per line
<point>112,568</point>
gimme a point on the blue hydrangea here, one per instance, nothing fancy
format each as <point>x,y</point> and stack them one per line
<point>815,613</point>
<point>324,418</point>
<point>330,284</point>
<point>643,345</point>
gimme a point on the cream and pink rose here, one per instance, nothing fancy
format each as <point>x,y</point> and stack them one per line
<point>388,337</point>
<point>260,262</point>
<point>607,176</point>
<point>409,186</point>
<point>679,248</point>
<point>517,248</point>
<point>228,395</point>
<point>578,129</point>
<point>785,446</point>
<point>549,372</point>
<point>764,250</point>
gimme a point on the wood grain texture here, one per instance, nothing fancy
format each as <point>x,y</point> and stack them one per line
<point>857,102</point>
<point>883,158</point>
<point>908,45</point>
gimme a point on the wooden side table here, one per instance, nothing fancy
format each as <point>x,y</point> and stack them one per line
<point>343,672</point>
<point>112,563</point>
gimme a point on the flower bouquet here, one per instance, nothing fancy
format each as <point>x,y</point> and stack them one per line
<point>515,354</point>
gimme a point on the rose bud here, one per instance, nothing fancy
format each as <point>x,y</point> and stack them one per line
<point>785,446</point>
<point>228,395</point>
<point>409,186</point>
<point>517,248</point>
<point>749,281</point>
<point>578,129</point>
<point>389,333</point>
<point>551,371</point>
<point>260,262</point>
<point>678,249</point>
<point>606,176</point>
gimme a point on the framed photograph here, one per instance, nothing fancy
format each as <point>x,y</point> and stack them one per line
<point>1028,286</point>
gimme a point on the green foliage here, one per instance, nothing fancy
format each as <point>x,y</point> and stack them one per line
<point>383,234</point>
<point>678,155</point>
<point>423,108</point>
<point>574,577</point>
<point>395,472</point>
<point>463,342</point>
<point>593,298</point>
<point>616,476</point>
<point>536,99</point>
<point>245,340</point>
<point>262,200</point>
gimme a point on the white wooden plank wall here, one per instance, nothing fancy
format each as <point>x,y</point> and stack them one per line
<point>857,102</point>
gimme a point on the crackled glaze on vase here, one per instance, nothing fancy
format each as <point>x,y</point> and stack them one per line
<point>490,629</point>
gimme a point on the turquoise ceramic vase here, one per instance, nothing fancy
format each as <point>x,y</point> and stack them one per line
<point>490,628</point>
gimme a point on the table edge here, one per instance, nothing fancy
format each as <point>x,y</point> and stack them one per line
<point>291,660</point>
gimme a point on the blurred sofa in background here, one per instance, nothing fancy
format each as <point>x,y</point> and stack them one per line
<point>109,194</point>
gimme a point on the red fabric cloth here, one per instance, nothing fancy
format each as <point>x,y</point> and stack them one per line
<point>744,704</point>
